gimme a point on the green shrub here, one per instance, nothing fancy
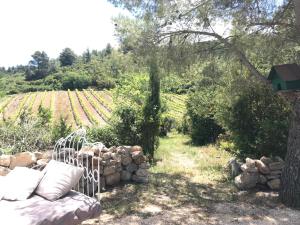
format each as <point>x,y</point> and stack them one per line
<point>166,125</point>
<point>60,129</point>
<point>107,135</point>
<point>127,125</point>
<point>73,80</point>
<point>201,123</point>
<point>257,119</point>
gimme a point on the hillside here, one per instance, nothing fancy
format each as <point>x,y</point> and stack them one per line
<point>80,108</point>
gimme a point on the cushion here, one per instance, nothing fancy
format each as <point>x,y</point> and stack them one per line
<point>20,183</point>
<point>58,180</point>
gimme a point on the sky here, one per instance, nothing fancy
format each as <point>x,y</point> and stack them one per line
<point>52,25</point>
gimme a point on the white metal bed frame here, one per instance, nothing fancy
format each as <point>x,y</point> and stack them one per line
<point>67,150</point>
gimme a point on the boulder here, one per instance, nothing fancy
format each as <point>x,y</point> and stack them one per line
<point>97,148</point>
<point>246,180</point>
<point>266,160</point>
<point>138,179</point>
<point>124,150</point>
<point>138,157</point>
<point>276,172</point>
<point>250,163</point>
<point>131,167</point>
<point>5,160</point>
<point>102,183</point>
<point>276,165</point>
<point>262,168</point>
<point>274,184</point>
<point>262,179</point>
<point>125,175</point>
<point>26,159</point>
<point>4,171</point>
<point>42,162</point>
<point>38,155</point>
<point>144,165</point>
<point>109,170</point>
<point>86,150</point>
<point>106,156</point>
<point>136,148</point>
<point>126,160</point>
<point>272,177</point>
<point>247,169</point>
<point>116,156</point>
<point>112,179</point>
<point>234,167</point>
<point>142,173</point>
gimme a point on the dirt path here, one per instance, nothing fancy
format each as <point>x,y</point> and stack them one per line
<point>187,186</point>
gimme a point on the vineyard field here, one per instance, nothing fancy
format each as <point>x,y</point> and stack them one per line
<point>80,108</point>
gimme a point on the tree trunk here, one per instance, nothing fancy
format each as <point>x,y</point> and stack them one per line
<point>290,191</point>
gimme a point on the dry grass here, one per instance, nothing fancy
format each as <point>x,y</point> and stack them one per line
<point>182,174</point>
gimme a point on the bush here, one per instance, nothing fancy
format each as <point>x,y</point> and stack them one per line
<point>166,125</point>
<point>107,135</point>
<point>200,120</point>
<point>127,125</point>
<point>73,80</point>
<point>29,134</point>
<point>257,119</point>
<point>60,129</point>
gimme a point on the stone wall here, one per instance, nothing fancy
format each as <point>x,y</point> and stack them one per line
<point>264,173</point>
<point>116,164</point>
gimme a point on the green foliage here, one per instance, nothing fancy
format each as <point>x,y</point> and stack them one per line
<point>60,129</point>
<point>203,127</point>
<point>39,66</point>
<point>73,80</point>
<point>127,125</point>
<point>67,57</point>
<point>44,115</point>
<point>166,125</point>
<point>256,118</point>
<point>151,113</point>
<point>29,134</point>
<point>107,135</point>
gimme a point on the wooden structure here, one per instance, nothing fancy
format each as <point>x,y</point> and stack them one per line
<point>285,77</point>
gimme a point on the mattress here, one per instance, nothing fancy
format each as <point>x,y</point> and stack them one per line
<point>72,209</point>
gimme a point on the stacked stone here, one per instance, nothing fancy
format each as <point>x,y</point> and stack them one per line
<point>25,159</point>
<point>265,171</point>
<point>116,164</point>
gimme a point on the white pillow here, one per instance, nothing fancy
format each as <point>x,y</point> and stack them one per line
<point>58,180</point>
<point>20,183</point>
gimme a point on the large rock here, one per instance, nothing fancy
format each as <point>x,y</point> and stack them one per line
<point>272,177</point>
<point>142,173</point>
<point>131,167</point>
<point>262,179</point>
<point>109,170</point>
<point>234,167</point>
<point>276,165</point>
<point>274,184</point>
<point>5,160</point>
<point>136,148</point>
<point>87,150</point>
<point>266,160</point>
<point>25,159</point>
<point>42,162</point>
<point>144,165</point>
<point>116,156</point>
<point>124,150</point>
<point>112,179</point>
<point>38,155</point>
<point>4,171</point>
<point>106,156</point>
<point>262,168</point>
<point>246,180</point>
<point>250,163</point>
<point>125,175</point>
<point>126,160</point>
<point>138,179</point>
<point>246,168</point>
<point>138,157</point>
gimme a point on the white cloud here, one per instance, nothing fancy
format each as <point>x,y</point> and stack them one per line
<point>51,25</point>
